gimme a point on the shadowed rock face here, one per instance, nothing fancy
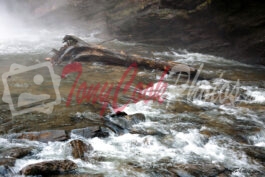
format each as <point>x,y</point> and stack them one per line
<point>119,123</point>
<point>180,4</point>
<point>232,29</point>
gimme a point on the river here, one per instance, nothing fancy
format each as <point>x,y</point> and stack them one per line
<point>193,130</point>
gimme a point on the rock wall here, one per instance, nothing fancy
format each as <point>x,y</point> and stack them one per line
<point>232,29</point>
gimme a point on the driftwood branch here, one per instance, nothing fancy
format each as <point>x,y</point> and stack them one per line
<point>76,49</point>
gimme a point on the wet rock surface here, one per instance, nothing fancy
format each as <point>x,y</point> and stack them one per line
<point>118,123</point>
<point>16,152</point>
<point>199,170</point>
<point>80,149</point>
<point>223,28</point>
<point>183,107</point>
<point>7,161</point>
<point>42,136</point>
<point>91,132</point>
<point>49,167</point>
<point>121,119</point>
<point>255,152</point>
<point>178,4</point>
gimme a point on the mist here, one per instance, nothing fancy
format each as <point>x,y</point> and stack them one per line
<point>35,26</point>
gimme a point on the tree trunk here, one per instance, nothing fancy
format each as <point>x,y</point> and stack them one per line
<point>76,49</point>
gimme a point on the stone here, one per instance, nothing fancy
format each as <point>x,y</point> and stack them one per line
<point>49,167</point>
<point>255,152</point>
<point>181,106</point>
<point>209,133</point>
<point>126,121</point>
<point>136,118</point>
<point>80,149</point>
<point>16,152</point>
<point>90,132</point>
<point>7,161</point>
<point>42,136</point>
<point>119,123</point>
<point>198,170</point>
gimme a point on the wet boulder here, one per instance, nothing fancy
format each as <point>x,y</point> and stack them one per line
<point>80,149</point>
<point>255,152</point>
<point>42,136</point>
<point>199,170</point>
<point>243,129</point>
<point>7,161</point>
<point>209,133</point>
<point>121,121</point>
<point>16,152</point>
<point>135,118</point>
<point>49,167</point>
<point>182,106</point>
<point>90,132</point>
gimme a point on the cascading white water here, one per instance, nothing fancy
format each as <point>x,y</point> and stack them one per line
<point>182,141</point>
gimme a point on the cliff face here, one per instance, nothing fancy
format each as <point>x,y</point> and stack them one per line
<point>232,29</point>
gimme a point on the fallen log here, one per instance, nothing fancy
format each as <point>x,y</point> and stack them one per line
<point>75,49</point>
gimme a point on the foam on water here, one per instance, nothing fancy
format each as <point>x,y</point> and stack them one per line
<point>256,94</point>
<point>191,58</point>
<point>258,139</point>
<point>142,107</point>
<point>6,143</point>
<point>212,151</point>
<point>146,151</point>
<point>259,96</point>
<point>238,173</point>
<point>202,103</point>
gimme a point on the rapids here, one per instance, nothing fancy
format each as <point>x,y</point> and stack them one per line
<point>192,129</point>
